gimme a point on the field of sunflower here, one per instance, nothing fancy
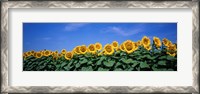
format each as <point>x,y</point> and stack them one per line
<point>127,56</point>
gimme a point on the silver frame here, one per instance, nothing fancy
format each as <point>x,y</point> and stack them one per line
<point>5,88</point>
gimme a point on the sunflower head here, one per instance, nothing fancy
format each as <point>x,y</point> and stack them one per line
<point>32,52</point>
<point>28,53</point>
<point>56,52</point>
<point>129,46</point>
<point>121,47</point>
<point>76,50</point>
<point>166,42</point>
<point>115,44</point>
<point>83,49</point>
<point>39,54</point>
<point>138,43</point>
<point>98,46</point>
<point>47,53</point>
<point>68,55</point>
<point>146,41</point>
<point>35,54</point>
<point>157,42</point>
<point>172,47</point>
<point>108,49</point>
<point>60,55</point>
<point>55,55</point>
<point>24,55</point>
<point>63,51</point>
<point>171,50</point>
<point>92,48</point>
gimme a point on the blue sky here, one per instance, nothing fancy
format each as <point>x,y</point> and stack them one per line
<point>58,36</point>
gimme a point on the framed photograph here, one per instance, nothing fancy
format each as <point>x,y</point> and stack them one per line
<point>100,47</point>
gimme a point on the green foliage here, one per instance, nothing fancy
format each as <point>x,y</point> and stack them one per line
<point>139,60</point>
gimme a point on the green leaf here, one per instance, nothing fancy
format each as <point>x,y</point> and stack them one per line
<point>58,67</point>
<point>127,60</point>
<point>90,62</point>
<point>83,61</point>
<point>117,64</point>
<point>103,58</point>
<point>87,68</point>
<point>135,63</point>
<point>67,68</point>
<point>109,63</point>
<point>42,67</point>
<point>63,64</point>
<point>154,67</point>
<point>138,68</point>
<point>162,57</point>
<point>102,69</point>
<point>77,65</point>
<point>161,62</point>
<point>122,53</point>
<point>99,62</point>
<point>170,58</point>
<point>130,69</point>
<point>144,65</point>
<point>118,69</point>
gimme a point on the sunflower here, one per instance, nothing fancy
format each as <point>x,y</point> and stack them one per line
<point>35,54</point>
<point>68,55</point>
<point>76,50</point>
<point>60,55</point>
<point>129,46</point>
<point>51,53</point>
<point>56,52</point>
<point>108,49</point>
<point>121,47</point>
<point>157,42</point>
<point>171,50</point>
<point>138,43</point>
<point>32,52</point>
<point>55,55</point>
<point>63,51</point>
<point>47,53</point>
<point>39,54</point>
<point>98,46</point>
<point>166,42</point>
<point>92,48</point>
<point>147,47</point>
<point>146,41</point>
<point>24,55</point>
<point>28,53</point>
<point>115,44</point>
<point>83,49</point>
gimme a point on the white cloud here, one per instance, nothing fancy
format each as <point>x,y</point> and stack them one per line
<point>121,31</point>
<point>74,26</point>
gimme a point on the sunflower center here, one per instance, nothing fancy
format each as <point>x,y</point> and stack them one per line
<point>83,49</point>
<point>47,52</point>
<point>108,49</point>
<point>115,44</point>
<point>39,54</point>
<point>91,48</point>
<point>69,55</point>
<point>98,46</point>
